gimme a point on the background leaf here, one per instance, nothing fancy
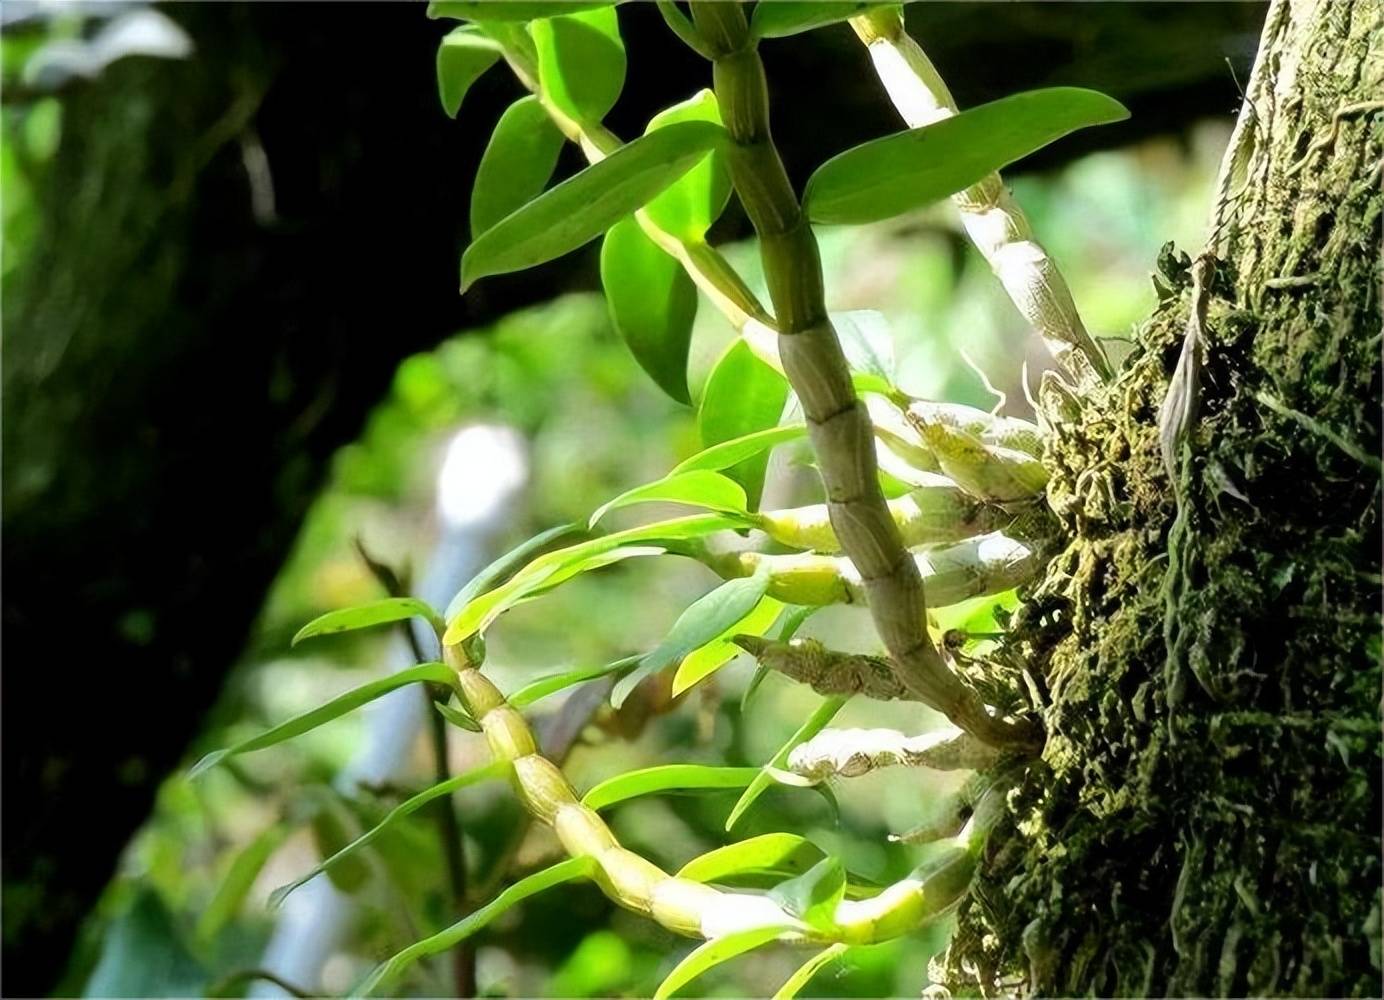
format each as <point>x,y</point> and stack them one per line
<point>742,395</point>
<point>239,879</point>
<point>691,204</point>
<point>701,488</point>
<point>587,204</point>
<point>666,778</point>
<point>516,165</point>
<point>886,177</point>
<point>581,61</point>
<point>382,612</point>
<point>653,304</point>
<point>461,58</point>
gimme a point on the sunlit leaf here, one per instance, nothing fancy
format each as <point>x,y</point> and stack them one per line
<point>816,722</point>
<point>457,717</point>
<point>780,18</point>
<point>537,690</point>
<point>812,897</point>
<point>653,304</point>
<point>703,621</point>
<point>382,612</point>
<point>693,202</point>
<point>808,969</point>
<point>587,204</point>
<point>563,871</point>
<point>496,769</point>
<point>701,488</point>
<point>666,778</point>
<point>506,565</point>
<point>713,953</point>
<point>772,853</point>
<point>742,395</point>
<point>728,453</point>
<point>701,663</point>
<point>461,59</point>
<point>478,612</point>
<point>886,177</point>
<point>581,61</point>
<point>516,165</point>
<point>240,877</point>
<point>509,10</point>
<point>436,673</point>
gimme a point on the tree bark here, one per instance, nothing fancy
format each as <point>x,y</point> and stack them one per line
<point>1206,816</point>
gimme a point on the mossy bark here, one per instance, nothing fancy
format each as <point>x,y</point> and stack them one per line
<point>1205,819</point>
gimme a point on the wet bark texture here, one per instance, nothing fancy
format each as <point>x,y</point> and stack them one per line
<point>1205,819</point>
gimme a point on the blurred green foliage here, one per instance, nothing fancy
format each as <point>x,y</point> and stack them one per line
<point>188,908</point>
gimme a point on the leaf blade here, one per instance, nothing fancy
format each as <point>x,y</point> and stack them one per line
<point>701,663</point>
<point>728,453</point>
<point>463,55</point>
<point>713,953</point>
<point>666,778</point>
<point>581,61</point>
<point>542,687</point>
<point>774,853</point>
<point>382,612</point>
<point>742,395</point>
<point>700,488</point>
<point>516,165</point>
<point>799,979</point>
<point>815,723</point>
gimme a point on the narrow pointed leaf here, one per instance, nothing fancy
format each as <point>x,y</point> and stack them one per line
<point>516,165</point>
<point>703,621</point>
<point>712,954</point>
<point>703,662</point>
<point>461,58</point>
<point>483,608</point>
<point>693,202</point>
<point>742,395</point>
<point>457,717</point>
<point>785,854</point>
<point>239,879</point>
<point>798,980</point>
<point>701,488</point>
<point>563,871</point>
<point>382,612</point>
<point>653,304</point>
<point>544,686</point>
<point>812,897</point>
<point>506,565</point>
<point>497,769</point>
<point>581,61</point>
<point>436,673</point>
<point>587,204</point>
<point>780,18</point>
<point>666,778</point>
<point>728,453</point>
<point>886,177</point>
<point>815,723</point>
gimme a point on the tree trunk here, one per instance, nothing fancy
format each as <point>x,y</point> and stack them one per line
<point>1205,819</point>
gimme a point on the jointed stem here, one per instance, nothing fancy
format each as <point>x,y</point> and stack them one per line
<point>812,358</point>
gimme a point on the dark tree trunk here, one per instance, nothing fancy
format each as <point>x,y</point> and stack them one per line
<point>1206,817</point>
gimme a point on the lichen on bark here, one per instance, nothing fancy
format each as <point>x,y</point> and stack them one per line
<point>1205,817</point>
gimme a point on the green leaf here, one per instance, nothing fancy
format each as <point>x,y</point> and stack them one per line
<point>780,18</point>
<point>653,304</point>
<point>815,723</point>
<point>713,953</point>
<point>704,620</point>
<point>239,879</point>
<point>702,488</point>
<point>581,61</point>
<point>701,663</point>
<point>888,176</point>
<point>693,202</point>
<point>813,896</point>
<point>436,673</point>
<point>509,10</point>
<point>728,453</point>
<point>666,778</point>
<point>516,165</point>
<point>563,871</point>
<point>791,623</point>
<point>505,566</point>
<point>496,769</point>
<point>461,59</point>
<point>544,686</point>
<point>742,395</point>
<point>479,611</point>
<point>457,717</point>
<point>810,968</point>
<point>383,612</point>
<point>771,853</point>
<point>584,206</point>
